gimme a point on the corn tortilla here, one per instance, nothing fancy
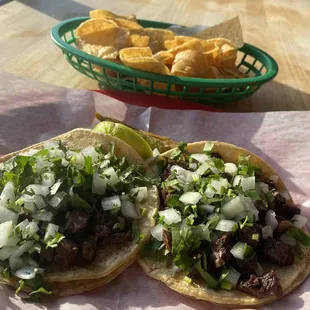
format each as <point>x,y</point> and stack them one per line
<point>290,277</point>
<point>112,258</point>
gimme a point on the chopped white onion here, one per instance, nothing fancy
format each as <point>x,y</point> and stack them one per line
<point>274,178</point>
<point>232,208</point>
<point>5,231</point>
<point>238,250</point>
<point>226,225</point>
<point>12,241</point>
<point>267,231</point>
<point>285,194</point>
<point>206,208</point>
<point>111,176</point>
<point>192,166</point>
<point>183,175</point>
<point>41,164</point>
<point>203,168</point>
<point>200,157</point>
<point>233,276</point>
<point>157,232</point>
<point>288,239</point>
<point>6,252</point>
<point>8,194</point>
<point>299,221</point>
<point>48,179</point>
<point>91,152</point>
<point>64,162</point>
<point>249,205</point>
<point>23,248</point>
<point>21,225</point>
<point>15,262</point>
<point>264,187</point>
<point>190,198</point>
<point>246,183</point>
<point>171,216</point>
<point>30,230</point>
<point>218,184</point>
<point>209,192</point>
<point>271,220</point>
<point>8,215</point>
<point>259,270</point>
<point>156,152</point>
<point>39,201</point>
<point>51,230</point>
<point>129,210</point>
<point>26,273</point>
<point>99,184</point>
<point>43,216</point>
<point>140,193</point>
<point>49,145</point>
<point>230,168</point>
<point>38,189</point>
<point>109,203</point>
<point>57,199</point>
<point>56,153</point>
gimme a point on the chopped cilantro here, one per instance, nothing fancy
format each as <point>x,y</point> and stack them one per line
<point>53,243</point>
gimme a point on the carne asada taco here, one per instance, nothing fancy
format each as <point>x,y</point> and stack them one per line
<point>227,231</point>
<point>74,212</point>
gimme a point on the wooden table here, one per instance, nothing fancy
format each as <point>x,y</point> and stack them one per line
<point>279,27</point>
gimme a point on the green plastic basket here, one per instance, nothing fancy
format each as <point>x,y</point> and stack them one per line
<point>260,67</point>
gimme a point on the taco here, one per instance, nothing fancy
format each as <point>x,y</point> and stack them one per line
<point>228,231</point>
<point>74,212</point>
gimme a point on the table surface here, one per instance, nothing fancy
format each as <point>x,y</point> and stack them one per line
<point>279,27</point>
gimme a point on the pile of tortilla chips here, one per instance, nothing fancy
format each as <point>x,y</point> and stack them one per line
<point>211,53</point>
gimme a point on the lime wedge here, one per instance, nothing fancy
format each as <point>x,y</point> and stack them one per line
<point>126,134</point>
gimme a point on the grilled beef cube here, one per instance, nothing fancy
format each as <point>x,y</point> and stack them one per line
<point>220,254</point>
<point>66,253</point>
<point>46,255</point>
<point>220,257</point>
<point>89,249</point>
<point>278,252</point>
<point>76,222</point>
<point>167,239</point>
<point>224,241</point>
<point>266,285</point>
<point>245,267</point>
<point>285,211</point>
<point>246,235</point>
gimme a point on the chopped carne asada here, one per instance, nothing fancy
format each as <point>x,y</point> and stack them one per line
<point>219,219</point>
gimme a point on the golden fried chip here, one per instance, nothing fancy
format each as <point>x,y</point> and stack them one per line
<point>141,59</point>
<point>191,63</point>
<point>139,41</point>
<point>193,44</point>
<point>158,38</point>
<point>230,29</point>
<point>128,24</point>
<point>103,32</point>
<point>165,57</point>
<point>97,14</point>
<point>135,52</point>
<point>103,52</point>
<point>212,55</point>
<point>178,40</point>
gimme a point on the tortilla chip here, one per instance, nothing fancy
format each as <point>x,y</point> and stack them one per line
<point>230,29</point>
